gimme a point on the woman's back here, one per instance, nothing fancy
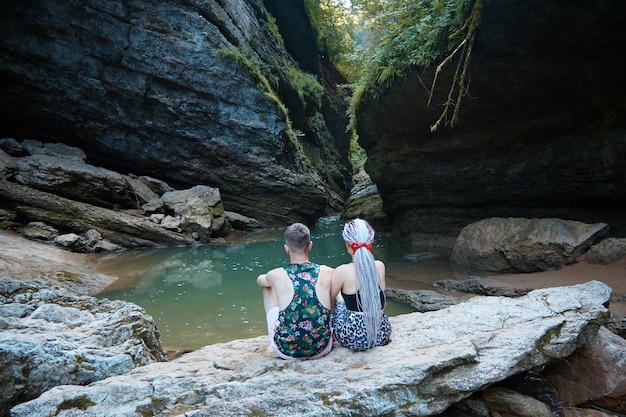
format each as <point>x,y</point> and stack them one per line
<point>362,283</point>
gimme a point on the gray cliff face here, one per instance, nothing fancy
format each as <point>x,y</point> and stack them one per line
<point>146,87</point>
<point>541,133</point>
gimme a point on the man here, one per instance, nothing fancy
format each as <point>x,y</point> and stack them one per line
<point>297,301</point>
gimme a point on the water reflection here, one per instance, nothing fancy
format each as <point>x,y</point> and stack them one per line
<point>208,294</point>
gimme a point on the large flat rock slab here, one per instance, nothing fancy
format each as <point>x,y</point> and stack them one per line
<point>435,359</point>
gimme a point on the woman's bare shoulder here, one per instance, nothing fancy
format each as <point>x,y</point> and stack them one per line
<point>343,266</point>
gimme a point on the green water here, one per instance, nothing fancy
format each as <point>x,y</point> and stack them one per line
<point>208,294</point>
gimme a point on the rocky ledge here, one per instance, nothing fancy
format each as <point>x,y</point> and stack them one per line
<point>435,360</point>
<point>52,193</point>
<point>51,336</point>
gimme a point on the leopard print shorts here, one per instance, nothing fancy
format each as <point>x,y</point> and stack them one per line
<point>350,331</point>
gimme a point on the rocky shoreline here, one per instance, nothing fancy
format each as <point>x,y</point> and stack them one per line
<point>468,358</point>
<point>48,308</point>
<point>247,361</point>
<point>25,259</point>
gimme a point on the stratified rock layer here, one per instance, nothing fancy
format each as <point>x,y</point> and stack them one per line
<point>177,91</point>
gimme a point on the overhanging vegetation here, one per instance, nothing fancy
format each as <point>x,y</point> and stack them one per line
<point>376,42</point>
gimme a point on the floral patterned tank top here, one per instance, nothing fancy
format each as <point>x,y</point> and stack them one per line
<point>304,325</point>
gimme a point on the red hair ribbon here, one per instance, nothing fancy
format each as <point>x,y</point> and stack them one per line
<point>356,245</point>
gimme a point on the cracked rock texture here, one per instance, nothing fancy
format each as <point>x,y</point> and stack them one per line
<point>435,359</point>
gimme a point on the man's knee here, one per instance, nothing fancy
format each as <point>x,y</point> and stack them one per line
<point>269,299</point>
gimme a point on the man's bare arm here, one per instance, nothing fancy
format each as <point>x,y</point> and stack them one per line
<point>262,281</point>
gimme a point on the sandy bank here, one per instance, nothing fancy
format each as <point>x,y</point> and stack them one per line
<point>25,259</point>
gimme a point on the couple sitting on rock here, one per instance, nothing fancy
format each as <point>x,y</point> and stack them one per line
<point>307,305</point>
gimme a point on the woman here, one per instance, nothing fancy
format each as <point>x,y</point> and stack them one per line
<point>358,288</point>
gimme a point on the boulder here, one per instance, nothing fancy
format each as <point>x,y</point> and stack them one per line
<point>8,167</point>
<point>90,241</point>
<point>512,403</point>
<point>39,231</point>
<point>158,186</point>
<point>584,412</point>
<point>607,251</point>
<point>241,222</point>
<point>7,216</point>
<point>12,147</point>
<point>617,322</point>
<point>524,245</point>
<point>480,286</point>
<point>200,210</point>
<point>434,360</point>
<point>59,150</point>
<point>364,200</point>
<point>594,375</point>
<point>51,337</point>
<point>179,201</point>
<point>423,300</point>
<point>141,191</point>
<point>72,178</point>
<point>169,222</point>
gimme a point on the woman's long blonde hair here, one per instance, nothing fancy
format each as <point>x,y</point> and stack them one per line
<point>359,235</point>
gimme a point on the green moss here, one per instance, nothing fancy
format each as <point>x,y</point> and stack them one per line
<point>407,406</point>
<point>25,371</point>
<point>327,397</point>
<point>154,408</point>
<point>328,400</point>
<point>83,362</point>
<point>257,412</point>
<point>81,402</point>
<point>273,27</point>
<point>69,276</point>
<point>247,59</point>
<point>306,85</point>
<point>358,156</point>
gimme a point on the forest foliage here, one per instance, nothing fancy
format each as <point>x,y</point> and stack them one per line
<point>375,42</point>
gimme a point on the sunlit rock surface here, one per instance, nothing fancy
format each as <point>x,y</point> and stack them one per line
<point>435,359</point>
<point>50,336</point>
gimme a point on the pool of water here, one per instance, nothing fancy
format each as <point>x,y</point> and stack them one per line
<point>208,294</point>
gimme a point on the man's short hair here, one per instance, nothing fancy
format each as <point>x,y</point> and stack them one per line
<point>297,237</point>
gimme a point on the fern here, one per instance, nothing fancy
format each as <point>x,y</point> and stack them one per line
<point>418,34</point>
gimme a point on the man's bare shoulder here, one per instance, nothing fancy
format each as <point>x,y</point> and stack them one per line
<point>276,272</point>
<point>326,271</point>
